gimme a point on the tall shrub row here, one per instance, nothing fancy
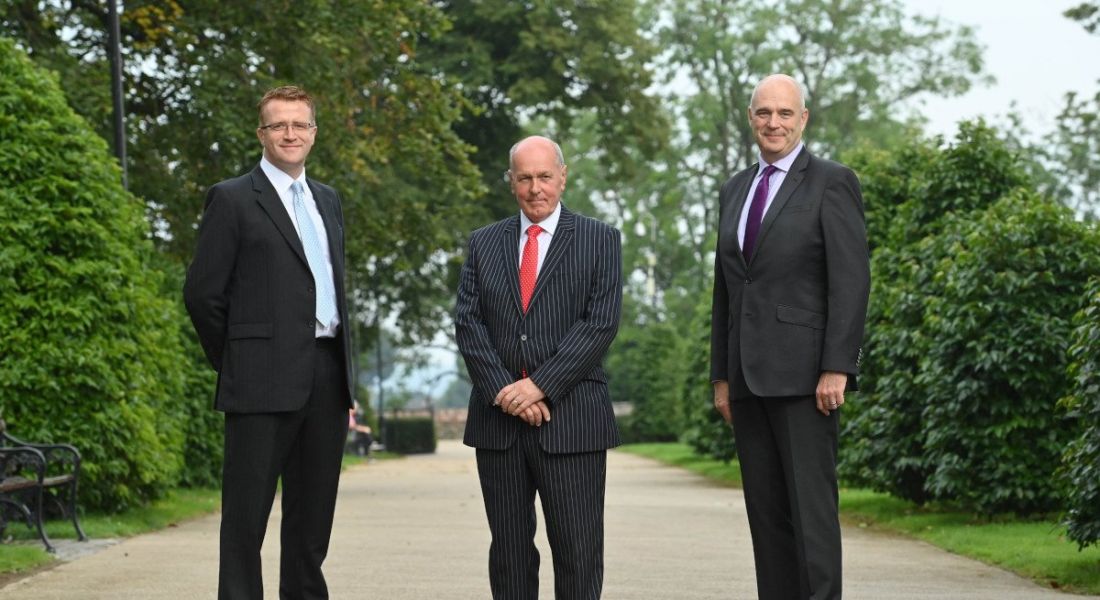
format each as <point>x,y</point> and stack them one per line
<point>975,279</point>
<point>92,348</point>
<point>1082,458</point>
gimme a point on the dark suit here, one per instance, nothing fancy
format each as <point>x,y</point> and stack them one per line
<point>560,343</point>
<point>796,310</point>
<point>250,294</point>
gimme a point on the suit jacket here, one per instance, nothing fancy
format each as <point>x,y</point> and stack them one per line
<point>798,308</point>
<point>570,322</point>
<point>250,294</point>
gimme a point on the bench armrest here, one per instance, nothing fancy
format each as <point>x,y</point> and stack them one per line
<point>28,463</point>
<point>58,457</point>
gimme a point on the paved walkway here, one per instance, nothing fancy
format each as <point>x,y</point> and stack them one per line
<point>415,529</point>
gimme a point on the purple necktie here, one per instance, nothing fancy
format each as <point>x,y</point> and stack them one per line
<point>756,212</point>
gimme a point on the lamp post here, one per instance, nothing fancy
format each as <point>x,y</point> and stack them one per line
<point>115,54</point>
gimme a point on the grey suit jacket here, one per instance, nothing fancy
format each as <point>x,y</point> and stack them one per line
<point>799,307</point>
<point>571,320</point>
<point>251,295</point>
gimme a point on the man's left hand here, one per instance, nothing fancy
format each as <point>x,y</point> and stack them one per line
<point>517,397</point>
<point>830,391</point>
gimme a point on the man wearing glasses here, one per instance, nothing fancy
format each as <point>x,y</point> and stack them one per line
<point>265,292</point>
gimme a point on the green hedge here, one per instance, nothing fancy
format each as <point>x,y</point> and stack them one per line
<point>93,351</point>
<point>410,435</point>
<point>1082,459</point>
<point>974,280</point>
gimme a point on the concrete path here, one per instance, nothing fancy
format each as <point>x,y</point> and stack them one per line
<point>415,529</point>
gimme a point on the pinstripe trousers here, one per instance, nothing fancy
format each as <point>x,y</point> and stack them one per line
<point>571,489</point>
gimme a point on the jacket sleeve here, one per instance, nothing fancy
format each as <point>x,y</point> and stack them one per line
<point>206,289</point>
<point>585,344</point>
<point>847,260</point>
<point>487,370</point>
<point>719,322</point>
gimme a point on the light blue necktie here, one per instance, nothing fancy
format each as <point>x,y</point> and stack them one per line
<point>315,255</point>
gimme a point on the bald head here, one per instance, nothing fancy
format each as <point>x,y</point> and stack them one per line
<point>535,141</point>
<point>780,80</point>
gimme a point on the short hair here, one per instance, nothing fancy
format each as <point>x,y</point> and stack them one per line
<point>557,151</point>
<point>797,84</point>
<point>290,93</point>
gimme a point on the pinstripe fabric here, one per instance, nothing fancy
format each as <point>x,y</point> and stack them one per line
<point>571,489</point>
<point>560,342</point>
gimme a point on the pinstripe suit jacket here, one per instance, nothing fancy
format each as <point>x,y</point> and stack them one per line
<point>561,340</point>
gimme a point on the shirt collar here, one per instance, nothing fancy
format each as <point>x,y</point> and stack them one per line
<point>279,178</point>
<point>549,224</point>
<point>783,164</point>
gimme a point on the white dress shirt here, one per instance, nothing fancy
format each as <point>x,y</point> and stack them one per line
<point>282,182</point>
<point>549,225</point>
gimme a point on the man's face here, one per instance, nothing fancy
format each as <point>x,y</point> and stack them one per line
<point>777,119</point>
<point>287,149</point>
<point>537,179</point>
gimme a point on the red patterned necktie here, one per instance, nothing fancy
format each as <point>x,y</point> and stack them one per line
<point>528,267</point>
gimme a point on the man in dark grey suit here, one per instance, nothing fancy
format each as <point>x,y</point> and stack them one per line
<point>791,282</point>
<point>265,292</point>
<point>538,305</point>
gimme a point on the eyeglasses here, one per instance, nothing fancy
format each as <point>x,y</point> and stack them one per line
<point>296,126</point>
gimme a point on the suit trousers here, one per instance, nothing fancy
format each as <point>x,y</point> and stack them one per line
<point>305,449</point>
<point>787,451</point>
<point>571,489</point>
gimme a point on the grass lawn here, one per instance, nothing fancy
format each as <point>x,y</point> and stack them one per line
<point>1036,549</point>
<point>26,552</point>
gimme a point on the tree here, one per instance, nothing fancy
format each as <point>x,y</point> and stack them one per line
<point>92,349</point>
<point>554,63</point>
<point>194,74</point>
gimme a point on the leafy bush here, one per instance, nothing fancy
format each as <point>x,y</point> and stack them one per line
<point>908,193</point>
<point>968,327</point>
<point>91,350</point>
<point>410,435</point>
<point>997,326</point>
<point>1082,458</point>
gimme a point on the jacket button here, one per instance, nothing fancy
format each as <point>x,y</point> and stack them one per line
<point>309,289</point>
<point>748,281</point>
<point>523,337</point>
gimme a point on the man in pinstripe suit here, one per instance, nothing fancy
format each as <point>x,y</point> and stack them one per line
<point>538,305</point>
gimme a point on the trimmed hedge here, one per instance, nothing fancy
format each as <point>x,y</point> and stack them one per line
<point>1082,458</point>
<point>975,278</point>
<point>410,435</point>
<point>92,350</point>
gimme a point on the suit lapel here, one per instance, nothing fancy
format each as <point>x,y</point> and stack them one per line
<point>790,184</point>
<point>740,198</point>
<point>559,245</point>
<point>269,200</point>
<point>508,251</point>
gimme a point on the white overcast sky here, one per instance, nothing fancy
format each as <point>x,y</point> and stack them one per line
<point>1035,54</point>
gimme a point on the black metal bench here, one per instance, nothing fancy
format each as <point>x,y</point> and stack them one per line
<point>34,477</point>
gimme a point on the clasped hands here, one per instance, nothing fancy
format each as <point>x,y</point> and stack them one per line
<point>525,400</point>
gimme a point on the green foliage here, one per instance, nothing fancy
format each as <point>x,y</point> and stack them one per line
<point>1072,153</point>
<point>907,193</point>
<point>641,359</point>
<point>91,350</point>
<point>410,435</point>
<point>581,66</point>
<point>1082,457</point>
<point>967,332</point>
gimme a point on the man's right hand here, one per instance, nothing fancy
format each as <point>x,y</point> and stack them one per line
<point>536,414</point>
<point>722,400</point>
